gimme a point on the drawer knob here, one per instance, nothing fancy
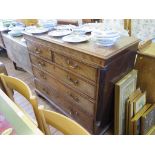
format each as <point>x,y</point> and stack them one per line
<point>41,63</point>
<point>75,98</point>
<point>75,82</point>
<point>71,65</point>
<point>37,50</point>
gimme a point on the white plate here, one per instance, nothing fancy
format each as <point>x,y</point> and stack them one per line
<point>59,33</point>
<point>39,30</point>
<point>75,38</point>
<point>65,27</point>
<point>4,29</point>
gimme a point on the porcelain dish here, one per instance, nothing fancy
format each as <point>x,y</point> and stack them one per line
<point>59,33</point>
<point>74,38</point>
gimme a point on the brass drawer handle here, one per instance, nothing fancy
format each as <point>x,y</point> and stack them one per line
<point>71,65</point>
<point>75,82</point>
<point>37,50</point>
<point>42,64</point>
<point>75,98</point>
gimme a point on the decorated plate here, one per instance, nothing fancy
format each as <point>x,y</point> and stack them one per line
<point>65,27</point>
<point>75,38</point>
<point>59,33</point>
<point>38,30</point>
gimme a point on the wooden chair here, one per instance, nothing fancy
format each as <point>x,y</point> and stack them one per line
<point>12,83</point>
<point>60,122</point>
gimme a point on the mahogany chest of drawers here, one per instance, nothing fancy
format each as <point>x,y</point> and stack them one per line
<point>78,79</point>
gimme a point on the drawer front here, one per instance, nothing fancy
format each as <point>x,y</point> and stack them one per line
<point>65,76</point>
<point>40,50</point>
<point>66,105</point>
<point>41,64</point>
<point>75,98</point>
<point>77,67</point>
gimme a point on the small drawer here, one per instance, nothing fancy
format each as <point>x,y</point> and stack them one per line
<point>41,64</point>
<point>65,76</point>
<point>71,96</point>
<point>77,67</point>
<point>66,105</point>
<point>40,50</point>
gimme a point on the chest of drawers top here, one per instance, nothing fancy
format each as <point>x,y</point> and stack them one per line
<point>87,52</point>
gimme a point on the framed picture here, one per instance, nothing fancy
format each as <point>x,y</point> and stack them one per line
<point>151,131</point>
<point>139,102</point>
<point>123,89</point>
<point>136,120</point>
<point>129,109</point>
<point>148,120</point>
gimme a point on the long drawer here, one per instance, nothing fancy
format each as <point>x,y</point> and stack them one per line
<point>40,50</point>
<point>65,76</point>
<point>85,103</point>
<point>66,103</point>
<point>77,67</point>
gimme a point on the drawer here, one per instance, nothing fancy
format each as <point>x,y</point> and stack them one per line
<point>41,64</point>
<point>72,96</point>
<point>65,76</point>
<point>60,99</point>
<point>40,50</point>
<point>77,67</point>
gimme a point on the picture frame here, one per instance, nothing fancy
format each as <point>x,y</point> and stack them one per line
<point>129,109</point>
<point>136,120</point>
<point>139,102</point>
<point>123,88</point>
<point>148,120</point>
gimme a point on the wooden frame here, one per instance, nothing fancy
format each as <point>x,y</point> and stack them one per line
<point>123,89</point>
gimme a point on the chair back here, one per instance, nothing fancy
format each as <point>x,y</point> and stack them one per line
<point>12,83</point>
<point>62,123</point>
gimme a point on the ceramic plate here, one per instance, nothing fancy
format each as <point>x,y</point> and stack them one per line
<point>59,33</point>
<point>75,38</point>
<point>4,29</point>
<point>65,27</point>
<point>39,30</point>
<point>15,34</point>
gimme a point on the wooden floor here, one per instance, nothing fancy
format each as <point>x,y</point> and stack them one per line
<point>28,79</point>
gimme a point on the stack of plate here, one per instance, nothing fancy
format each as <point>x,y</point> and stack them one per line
<point>105,38</point>
<point>50,24</point>
<point>16,31</point>
<point>82,30</point>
